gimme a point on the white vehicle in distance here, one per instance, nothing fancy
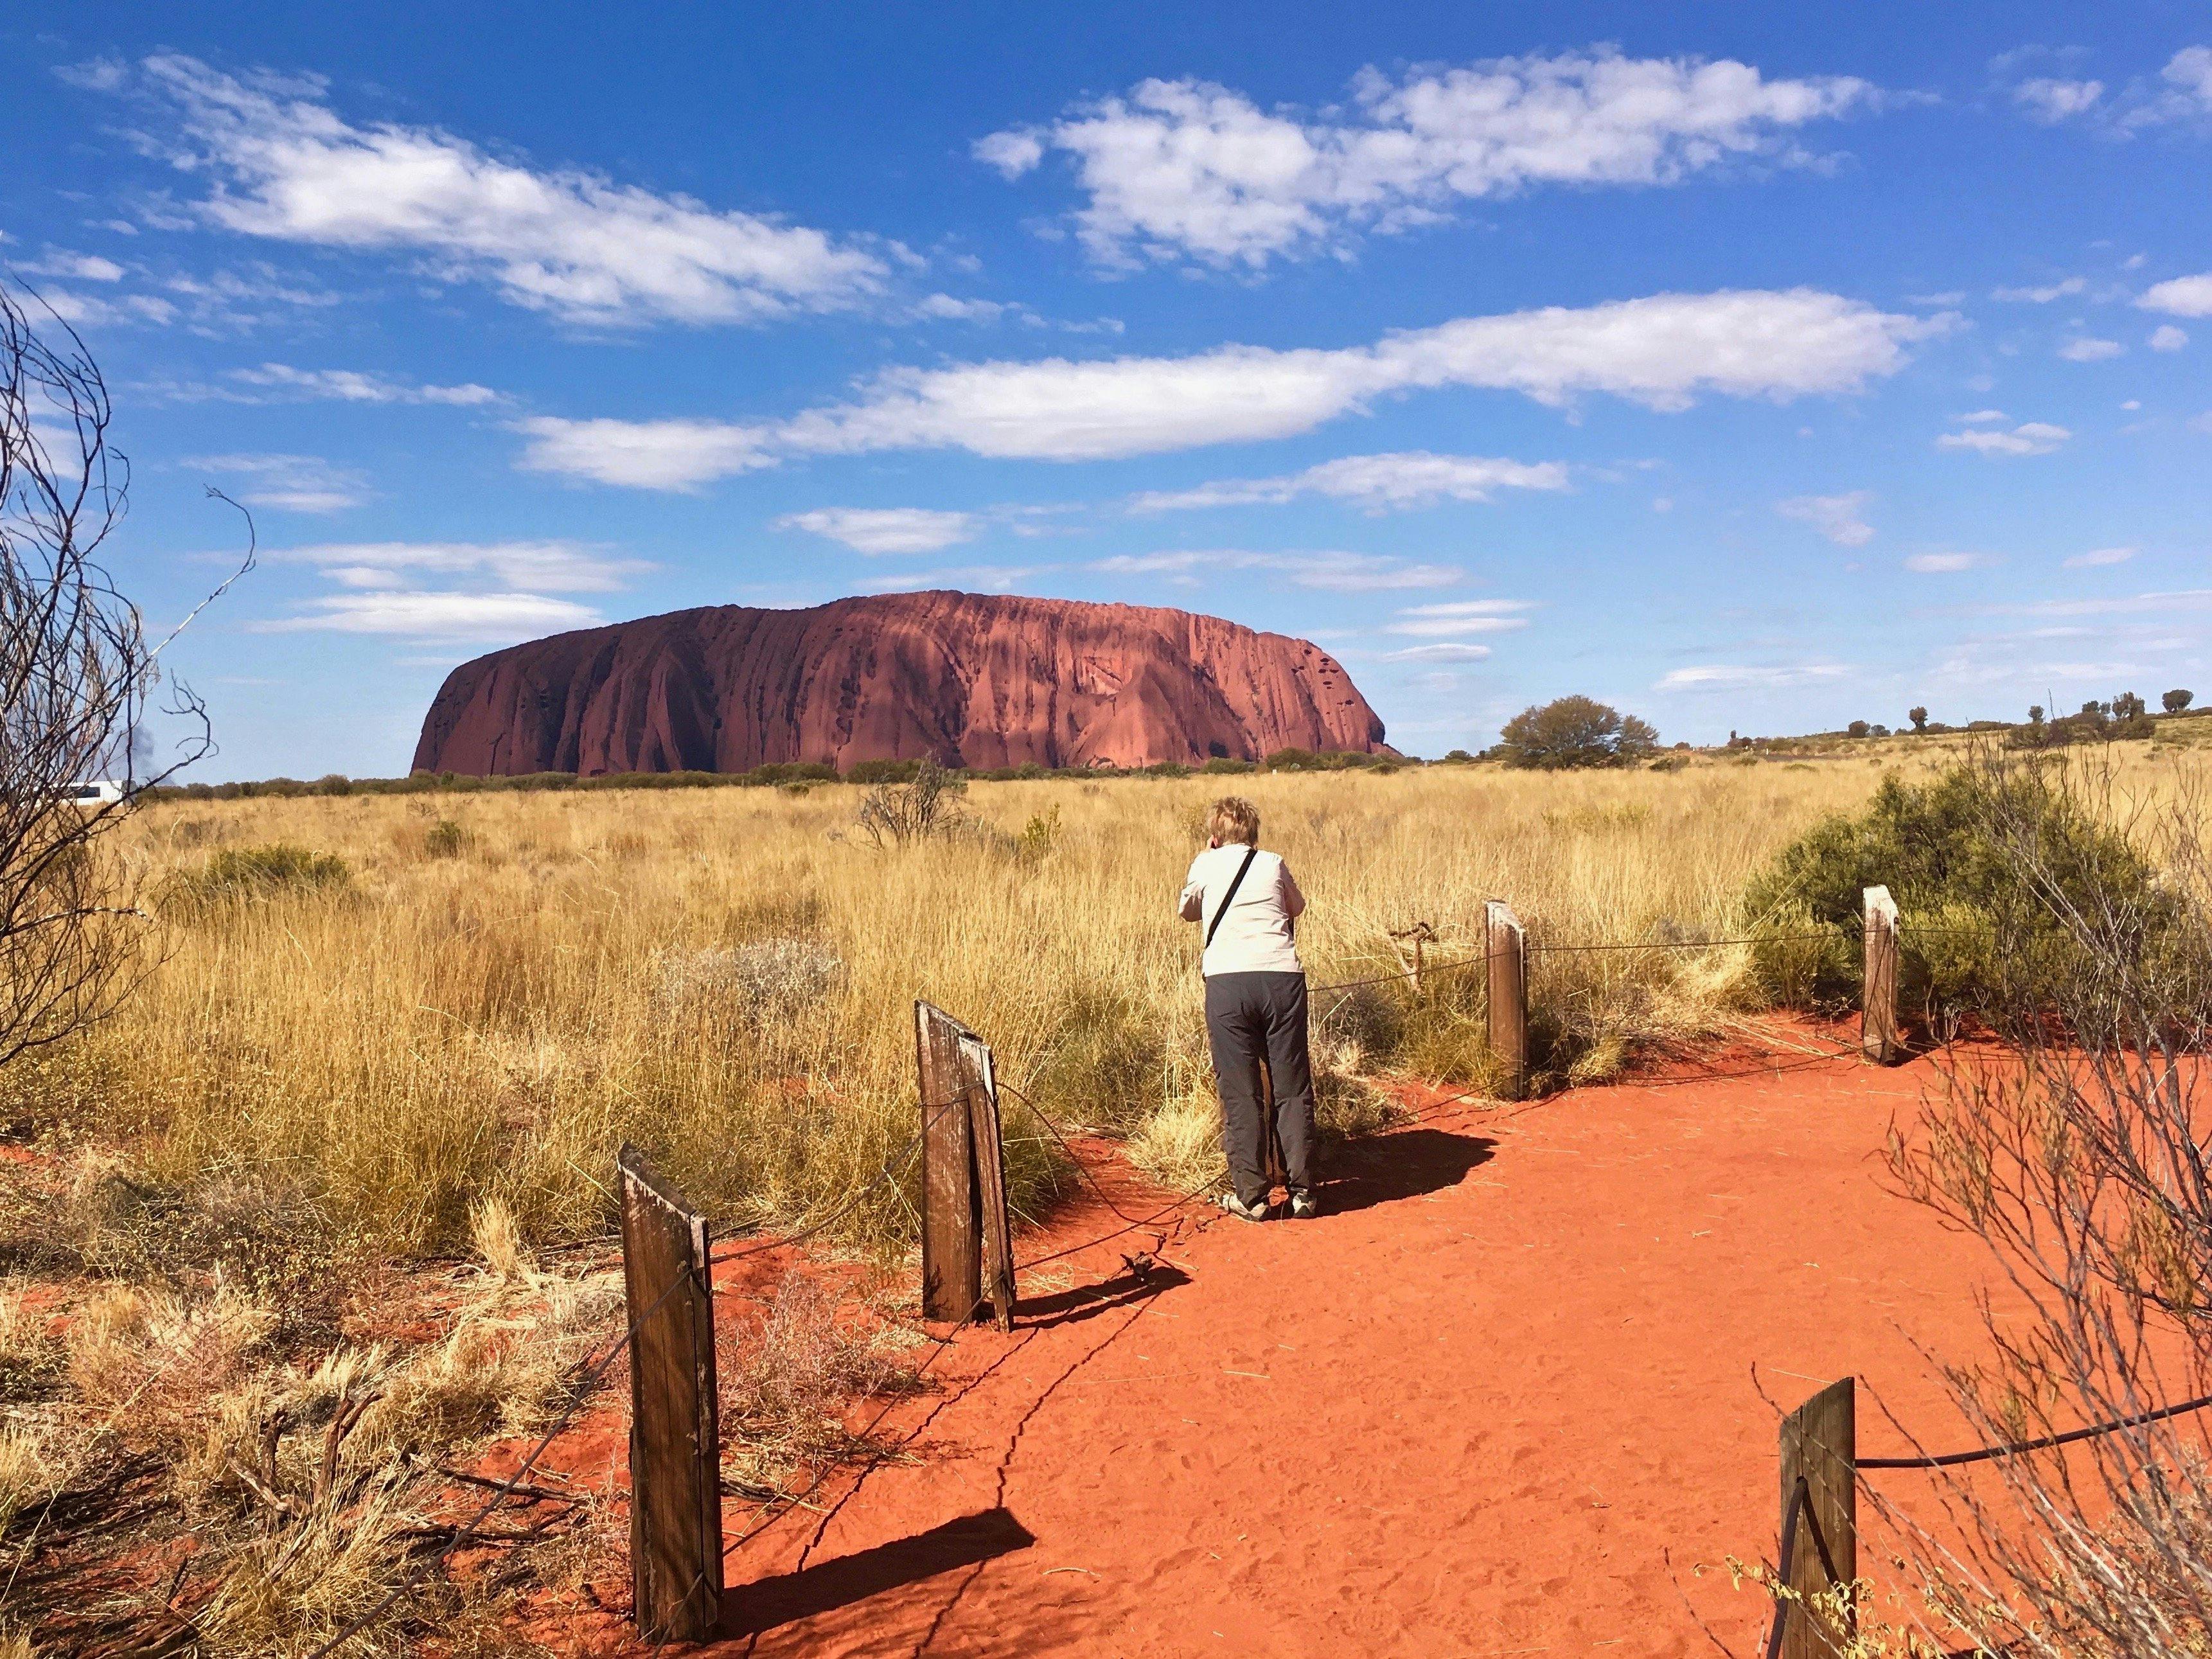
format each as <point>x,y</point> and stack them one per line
<point>101,792</point>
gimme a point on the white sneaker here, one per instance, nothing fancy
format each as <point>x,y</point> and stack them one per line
<point>1304,1206</point>
<point>1236,1206</point>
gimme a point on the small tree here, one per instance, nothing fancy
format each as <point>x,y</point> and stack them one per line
<point>2035,714</point>
<point>2178,700</point>
<point>1857,729</point>
<point>76,681</point>
<point>1918,717</point>
<point>921,809</point>
<point>1574,731</point>
<point>2127,707</point>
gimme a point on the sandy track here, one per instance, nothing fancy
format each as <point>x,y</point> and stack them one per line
<point>1462,1413</point>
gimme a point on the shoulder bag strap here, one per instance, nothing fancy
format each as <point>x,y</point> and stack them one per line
<point>1229,897</point>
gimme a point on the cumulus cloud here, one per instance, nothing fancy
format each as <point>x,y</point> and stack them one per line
<point>1190,169</point>
<point>1933,564</point>
<point>1377,482</point>
<point>1661,352</point>
<point>874,530</point>
<point>2180,296</point>
<point>356,386</point>
<point>281,163</point>
<point>2050,101</point>
<point>1839,517</point>
<point>557,566</point>
<point>2166,337</point>
<point>1464,616</point>
<point>437,616</point>
<point>288,483</point>
<point>2085,350</point>
<point>1732,676</point>
<point>643,454</point>
<point>1329,572</point>
<point>2031,438</point>
<point>2100,556</point>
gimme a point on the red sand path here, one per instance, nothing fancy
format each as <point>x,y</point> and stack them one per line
<point>1463,1413</point>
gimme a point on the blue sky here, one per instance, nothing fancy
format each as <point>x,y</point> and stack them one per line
<point>1749,370</point>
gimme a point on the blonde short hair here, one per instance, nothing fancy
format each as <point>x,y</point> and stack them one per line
<point>1233,819</point>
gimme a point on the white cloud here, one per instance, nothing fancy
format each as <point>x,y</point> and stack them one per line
<point>2031,438</point>
<point>2166,337</point>
<point>1412,478</point>
<point>1466,616</point>
<point>1932,564</point>
<point>884,529</point>
<point>2051,101</point>
<point>1186,168</point>
<point>2100,556</point>
<point>1839,517</point>
<point>2180,296</point>
<point>2187,598</point>
<point>282,164</point>
<point>2190,73</point>
<point>1983,417</point>
<point>290,483</point>
<point>643,454</point>
<point>553,567</point>
<point>2087,350</point>
<point>80,267</point>
<point>353,386</point>
<point>82,310</point>
<point>973,578</point>
<point>1661,352</point>
<point>1729,677</point>
<point>1330,572</point>
<point>1459,652</point>
<point>437,616</point>
<point>2041,296</point>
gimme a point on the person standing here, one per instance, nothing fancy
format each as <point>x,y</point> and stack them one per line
<point>1256,1006</point>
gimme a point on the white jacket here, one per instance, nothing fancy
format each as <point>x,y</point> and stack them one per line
<point>1258,935</point>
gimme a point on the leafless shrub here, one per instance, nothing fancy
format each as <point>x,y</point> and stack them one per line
<point>925,809</point>
<point>2079,1152</point>
<point>786,1386</point>
<point>761,982</point>
<point>77,679</point>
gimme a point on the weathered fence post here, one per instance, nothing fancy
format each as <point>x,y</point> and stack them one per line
<point>1819,1453</point>
<point>1878,996</point>
<point>967,1246</point>
<point>675,1450</point>
<point>1505,943</point>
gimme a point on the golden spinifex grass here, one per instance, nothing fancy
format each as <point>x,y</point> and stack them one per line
<point>499,989</point>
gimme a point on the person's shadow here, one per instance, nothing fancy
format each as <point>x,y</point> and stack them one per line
<point>1383,1169</point>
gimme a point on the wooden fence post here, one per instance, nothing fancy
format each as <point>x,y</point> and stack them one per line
<point>964,1228</point>
<point>1878,994</point>
<point>675,1441</point>
<point>1505,944</point>
<point>1820,1449</point>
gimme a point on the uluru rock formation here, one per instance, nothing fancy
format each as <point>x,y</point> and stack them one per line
<point>967,679</point>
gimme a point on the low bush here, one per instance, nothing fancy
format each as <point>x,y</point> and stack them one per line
<point>1983,862</point>
<point>267,871</point>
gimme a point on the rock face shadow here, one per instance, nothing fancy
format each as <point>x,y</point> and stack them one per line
<point>827,1586</point>
<point>1388,1168</point>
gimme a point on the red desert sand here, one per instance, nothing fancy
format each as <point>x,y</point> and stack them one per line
<point>1499,1399</point>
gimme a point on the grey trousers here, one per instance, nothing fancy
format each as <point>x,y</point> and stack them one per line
<point>1249,1018</point>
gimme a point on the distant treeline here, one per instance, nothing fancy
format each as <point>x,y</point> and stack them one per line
<point>776,775</point>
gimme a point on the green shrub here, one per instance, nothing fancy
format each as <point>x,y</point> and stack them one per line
<point>1985,864</point>
<point>444,839</point>
<point>1575,732</point>
<point>1224,766</point>
<point>280,867</point>
<point>883,771</point>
